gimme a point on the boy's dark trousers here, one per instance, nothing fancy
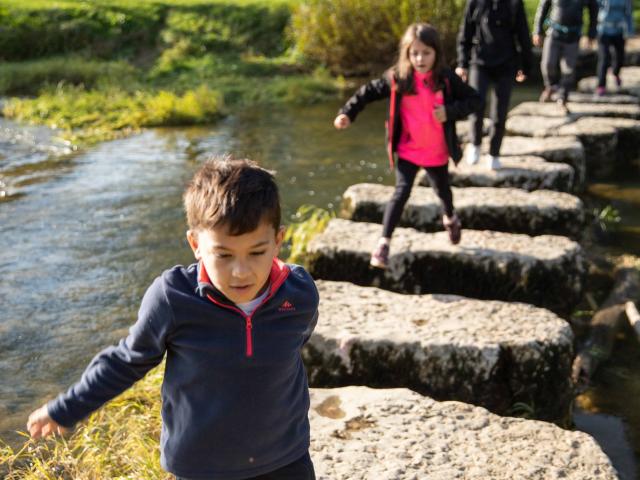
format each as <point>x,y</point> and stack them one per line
<point>502,78</point>
<point>605,44</point>
<point>556,52</point>
<point>405,175</point>
<point>301,469</point>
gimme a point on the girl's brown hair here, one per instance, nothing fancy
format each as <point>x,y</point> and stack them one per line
<point>403,70</point>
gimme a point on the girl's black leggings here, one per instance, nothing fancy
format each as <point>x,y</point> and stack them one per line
<point>405,175</point>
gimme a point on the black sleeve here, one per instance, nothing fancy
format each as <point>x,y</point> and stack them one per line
<point>466,34</point>
<point>370,92</point>
<point>465,99</point>
<point>524,38</point>
<point>593,18</point>
<point>541,16</point>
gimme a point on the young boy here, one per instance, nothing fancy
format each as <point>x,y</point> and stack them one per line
<point>235,396</point>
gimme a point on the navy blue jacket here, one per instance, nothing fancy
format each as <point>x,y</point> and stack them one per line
<point>235,397</point>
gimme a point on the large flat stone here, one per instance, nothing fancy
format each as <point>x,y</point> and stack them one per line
<point>608,142</point>
<point>616,98</point>
<point>527,172</point>
<point>630,82</point>
<point>566,149</point>
<point>489,353</point>
<point>480,208</point>
<point>365,434</point>
<point>578,110</point>
<point>546,270</point>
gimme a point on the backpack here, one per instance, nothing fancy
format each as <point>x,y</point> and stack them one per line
<point>486,13</point>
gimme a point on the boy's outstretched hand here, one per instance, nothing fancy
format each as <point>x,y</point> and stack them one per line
<point>40,424</point>
<point>341,121</point>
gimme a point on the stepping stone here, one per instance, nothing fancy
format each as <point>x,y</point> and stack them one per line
<point>608,142</point>
<point>488,353</point>
<point>546,270</point>
<point>537,109</point>
<point>614,98</point>
<point>630,82</point>
<point>566,149</point>
<point>527,172</point>
<point>362,433</point>
<point>479,208</point>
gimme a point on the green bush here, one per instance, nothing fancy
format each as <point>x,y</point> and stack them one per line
<point>361,36</point>
<point>100,30</point>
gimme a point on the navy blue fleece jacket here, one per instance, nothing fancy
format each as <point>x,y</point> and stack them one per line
<point>235,396</point>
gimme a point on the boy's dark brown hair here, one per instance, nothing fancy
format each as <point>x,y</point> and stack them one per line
<point>234,193</point>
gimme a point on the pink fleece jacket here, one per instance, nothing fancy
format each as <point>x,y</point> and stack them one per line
<point>422,140</point>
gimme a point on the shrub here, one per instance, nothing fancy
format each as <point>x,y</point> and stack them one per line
<point>361,36</point>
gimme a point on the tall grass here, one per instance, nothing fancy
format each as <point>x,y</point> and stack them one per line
<point>361,36</point>
<point>309,222</point>
<point>119,441</point>
<point>87,116</point>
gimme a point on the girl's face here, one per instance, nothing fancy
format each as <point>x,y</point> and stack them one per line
<point>422,57</point>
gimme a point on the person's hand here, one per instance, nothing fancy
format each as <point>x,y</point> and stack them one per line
<point>520,76</point>
<point>440,114</point>
<point>537,40</point>
<point>40,424</point>
<point>341,121</point>
<point>463,73</point>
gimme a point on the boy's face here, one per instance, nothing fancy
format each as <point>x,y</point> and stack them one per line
<point>238,266</point>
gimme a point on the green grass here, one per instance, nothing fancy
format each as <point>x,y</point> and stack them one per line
<point>119,441</point>
<point>99,70</point>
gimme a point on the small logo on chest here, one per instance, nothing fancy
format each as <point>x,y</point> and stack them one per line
<point>286,306</point>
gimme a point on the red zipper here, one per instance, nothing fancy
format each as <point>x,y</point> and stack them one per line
<point>249,327</point>
<point>247,318</point>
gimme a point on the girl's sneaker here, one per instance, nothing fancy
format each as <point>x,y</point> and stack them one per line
<point>380,256</point>
<point>493,162</point>
<point>600,91</point>
<point>472,154</point>
<point>453,227</point>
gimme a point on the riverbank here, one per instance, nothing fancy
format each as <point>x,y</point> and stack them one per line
<point>113,67</point>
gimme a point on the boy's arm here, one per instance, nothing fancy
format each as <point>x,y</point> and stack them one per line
<point>466,34</point>
<point>541,16</point>
<point>374,90</point>
<point>524,39</point>
<point>466,99</point>
<point>116,368</point>
<point>631,28</point>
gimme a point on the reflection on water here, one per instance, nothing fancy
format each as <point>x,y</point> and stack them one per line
<point>86,233</point>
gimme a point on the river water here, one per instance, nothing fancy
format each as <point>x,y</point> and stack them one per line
<point>83,234</point>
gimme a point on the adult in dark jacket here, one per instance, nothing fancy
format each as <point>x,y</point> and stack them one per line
<point>426,99</point>
<point>494,47</point>
<point>561,44</point>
